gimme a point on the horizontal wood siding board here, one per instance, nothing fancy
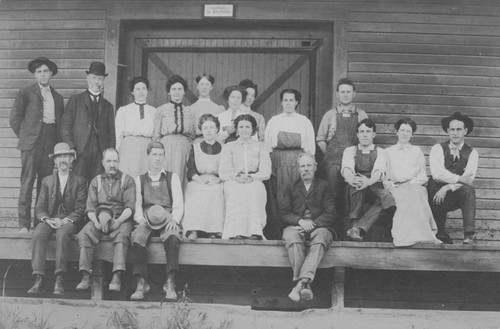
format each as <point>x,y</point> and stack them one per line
<point>416,38</point>
<point>52,34</point>
<point>401,109</point>
<point>424,28</point>
<point>52,15</point>
<point>96,24</point>
<point>425,79</point>
<point>29,54</point>
<point>411,18</point>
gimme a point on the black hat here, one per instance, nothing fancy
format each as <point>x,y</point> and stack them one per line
<point>468,123</point>
<point>97,68</point>
<point>32,66</point>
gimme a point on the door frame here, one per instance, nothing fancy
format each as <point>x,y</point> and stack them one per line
<point>117,17</point>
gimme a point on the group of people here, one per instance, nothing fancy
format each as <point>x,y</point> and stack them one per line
<point>203,171</point>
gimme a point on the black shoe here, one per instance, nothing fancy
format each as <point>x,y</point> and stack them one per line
<point>443,236</point>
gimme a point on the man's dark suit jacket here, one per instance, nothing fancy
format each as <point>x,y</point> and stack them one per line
<point>27,114</point>
<point>75,197</point>
<point>318,200</point>
<point>77,123</point>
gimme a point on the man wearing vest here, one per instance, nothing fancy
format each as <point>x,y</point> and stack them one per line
<point>88,124</point>
<point>159,209</point>
<point>453,167</point>
<point>110,207</point>
<point>363,167</point>
<point>35,118</point>
<point>337,131</point>
<point>60,209</point>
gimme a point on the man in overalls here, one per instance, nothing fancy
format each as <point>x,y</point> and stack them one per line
<point>337,131</point>
<point>363,167</point>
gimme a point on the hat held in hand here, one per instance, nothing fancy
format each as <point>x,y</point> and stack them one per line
<point>104,216</point>
<point>157,217</point>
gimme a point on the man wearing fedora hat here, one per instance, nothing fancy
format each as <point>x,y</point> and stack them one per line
<point>35,118</point>
<point>88,124</point>
<point>453,167</point>
<point>159,208</point>
<point>60,209</point>
<point>110,206</point>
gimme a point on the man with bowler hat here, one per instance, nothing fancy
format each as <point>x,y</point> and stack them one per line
<point>35,118</point>
<point>110,207</point>
<point>60,209</point>
<point>159,209</point>
<point>453,167</point>
<point>88,124</point>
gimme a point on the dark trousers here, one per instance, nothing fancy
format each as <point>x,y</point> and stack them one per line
<point>35,164</point>
<point>171,246</point>
<point>89,163</point>
<point>338,188</point>
<point>40,237</point>
<point>464,198</point>
<point>382,200</point>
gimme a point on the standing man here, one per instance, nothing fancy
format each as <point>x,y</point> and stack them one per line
<point>88,124</point>
<point>159,209</point>
<point>308,212</point>
<point>35,118</point>
<point>60,209</point>
<point>453,167</point>
<point>338,130</point>
<point>110,206</point>
<point>363,167</point>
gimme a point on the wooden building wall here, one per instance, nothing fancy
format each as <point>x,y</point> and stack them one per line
<point>425,59</point>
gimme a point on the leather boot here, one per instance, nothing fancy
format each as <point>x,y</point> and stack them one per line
<point>85,283</point>
<point>141,290</point>
<point>37,286</point>
<point>116,282</point>
<point>59,287</point>
<point>169,289</point>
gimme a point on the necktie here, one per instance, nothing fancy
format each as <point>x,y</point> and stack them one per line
<point>141,109</point>
<point>455,152</point>
<point>179,117</point>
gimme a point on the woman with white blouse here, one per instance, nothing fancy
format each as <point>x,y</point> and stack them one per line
<point>234,96</point>
<point>204,104</point>
<point>244,165</point>
<point>246,107</point>
<point>405,178</point>
<point>288,134</point>
<point>134,129</point>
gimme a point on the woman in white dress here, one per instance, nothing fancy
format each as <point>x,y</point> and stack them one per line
<point>244,165</point>
<point>413,221</point>
<point>234,96</point>
<point>134,129</point>
<point>204,104</point>
<point>174,126</point>
<point>204,208</point>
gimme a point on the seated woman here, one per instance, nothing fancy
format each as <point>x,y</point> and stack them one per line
<point>234,96</point>
<point>134,128</point>
<point>244,165</point>
<point>204,209</point>
<point>413,221</point>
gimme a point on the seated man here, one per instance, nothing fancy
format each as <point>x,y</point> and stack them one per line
<point>362,168</point>
<point>308,212</point>
<point>110,193</point>
<point>453,167</point>
<point>159,207</point>
<point>60,209</point>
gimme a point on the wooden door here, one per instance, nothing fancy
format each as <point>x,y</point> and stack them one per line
<point>268,55</point>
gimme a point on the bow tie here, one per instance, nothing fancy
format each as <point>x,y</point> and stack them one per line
<point>455,151</point>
